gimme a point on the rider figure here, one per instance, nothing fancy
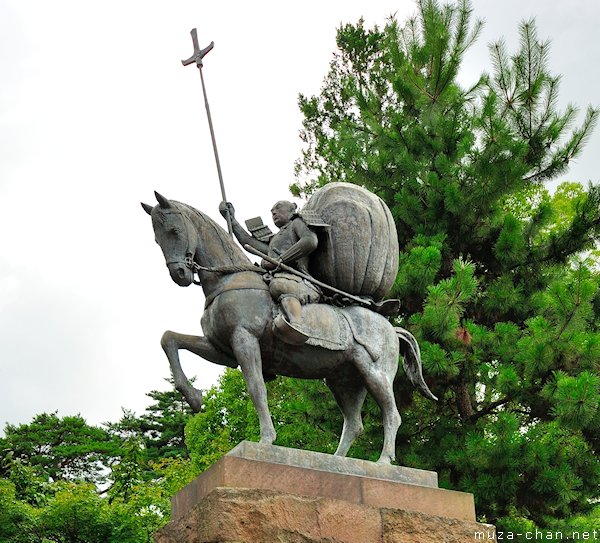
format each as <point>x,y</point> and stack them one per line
<point>291,245</point>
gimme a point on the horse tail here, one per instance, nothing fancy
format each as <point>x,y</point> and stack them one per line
<point>409,349</point>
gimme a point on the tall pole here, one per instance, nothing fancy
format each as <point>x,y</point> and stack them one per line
<point>197,57</point>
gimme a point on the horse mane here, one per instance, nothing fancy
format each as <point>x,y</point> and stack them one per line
<point>208,229</point>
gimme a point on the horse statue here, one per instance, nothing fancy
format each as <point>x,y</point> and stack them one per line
<point>237,322</point>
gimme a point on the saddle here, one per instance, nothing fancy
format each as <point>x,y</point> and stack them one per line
<point>322,326</point>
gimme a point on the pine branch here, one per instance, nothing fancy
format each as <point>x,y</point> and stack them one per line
<point>527,38</point>
<point>422,429</point>
<point>548,108</point>
<point>575,307</point>
<point>499,61</point>
<point>490,408</point>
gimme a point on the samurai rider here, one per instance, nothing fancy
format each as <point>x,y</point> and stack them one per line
<point>291,245</point>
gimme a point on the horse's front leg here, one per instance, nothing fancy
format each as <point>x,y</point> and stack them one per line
<point>247,352</point>
<point>171,343</point>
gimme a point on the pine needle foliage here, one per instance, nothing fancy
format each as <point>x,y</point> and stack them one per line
<point>498,277</point>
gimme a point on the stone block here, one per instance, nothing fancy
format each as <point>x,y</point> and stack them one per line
<point>238,515</point>
<point>332,464</point>
<point>242,468</point>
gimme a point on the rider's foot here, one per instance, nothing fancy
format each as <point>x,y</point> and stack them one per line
<point>287,332</point>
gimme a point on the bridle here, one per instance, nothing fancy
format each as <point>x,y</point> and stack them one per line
<point>189,262</point>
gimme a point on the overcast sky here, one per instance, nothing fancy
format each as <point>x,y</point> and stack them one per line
<point>96,112</point>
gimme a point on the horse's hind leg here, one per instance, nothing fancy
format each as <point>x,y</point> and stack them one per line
<point>379,376</point>
<point>171,343</point>
<point>350,395</point>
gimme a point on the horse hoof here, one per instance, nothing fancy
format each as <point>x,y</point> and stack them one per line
<point>194,399</point>
<point>385,460</point>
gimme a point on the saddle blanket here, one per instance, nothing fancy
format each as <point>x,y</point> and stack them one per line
<point>325,327</point>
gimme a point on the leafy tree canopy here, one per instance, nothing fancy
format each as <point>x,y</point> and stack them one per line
<point>59,448</point>
<point>63,480</point>
<point>161,427</point>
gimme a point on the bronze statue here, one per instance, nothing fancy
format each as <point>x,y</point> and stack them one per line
<point>291,245</point>
<point>353,349</point>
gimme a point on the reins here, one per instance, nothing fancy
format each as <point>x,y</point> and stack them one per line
<point>223,270</point>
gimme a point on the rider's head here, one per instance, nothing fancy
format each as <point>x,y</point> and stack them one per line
<point>283,212</point>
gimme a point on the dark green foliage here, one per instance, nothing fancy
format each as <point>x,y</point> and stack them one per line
<point>493,273</point>
<point>48,468</point>
<point>161,427</point>
<point>17,519</point>
<point>59,448</point>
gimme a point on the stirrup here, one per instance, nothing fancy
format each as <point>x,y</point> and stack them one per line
<point>288,333</point>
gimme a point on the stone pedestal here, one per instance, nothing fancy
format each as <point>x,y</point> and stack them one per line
<point>268,494</point>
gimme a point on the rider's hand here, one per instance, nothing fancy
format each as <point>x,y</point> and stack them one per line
<point>227,208</point>
<point>266,265</point>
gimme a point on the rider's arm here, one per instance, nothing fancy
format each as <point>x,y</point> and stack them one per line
<point>246,239</point>
<point>306,244</point>
<point>240,233</point>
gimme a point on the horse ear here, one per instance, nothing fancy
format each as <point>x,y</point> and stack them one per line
<point>162,200</point>
<point>147,208</point>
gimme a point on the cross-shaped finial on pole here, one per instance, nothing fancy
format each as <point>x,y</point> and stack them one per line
<point>197,57</point>
<point>198,53</point>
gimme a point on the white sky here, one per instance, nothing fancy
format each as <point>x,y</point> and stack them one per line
<point>96,112</point>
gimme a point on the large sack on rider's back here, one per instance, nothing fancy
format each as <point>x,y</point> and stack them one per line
<point>359,252</point>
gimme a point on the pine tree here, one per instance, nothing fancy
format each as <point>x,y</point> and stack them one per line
<point>493,276</point>
<point>58,448</point>
<point>161,427</point>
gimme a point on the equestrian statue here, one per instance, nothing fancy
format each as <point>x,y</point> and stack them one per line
<point>313,309</point>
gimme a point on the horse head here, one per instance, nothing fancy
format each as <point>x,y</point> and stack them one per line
<point>176,236</point>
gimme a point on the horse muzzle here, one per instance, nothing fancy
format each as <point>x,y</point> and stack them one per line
<point>180,273</point>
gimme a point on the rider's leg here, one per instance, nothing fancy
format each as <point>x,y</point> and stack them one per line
<point>292,309</point>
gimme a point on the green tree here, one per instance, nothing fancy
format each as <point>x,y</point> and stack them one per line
<point>17,519</point>
<point>148,501</point>
<point>77,514</point>
<point>60,448</point>
<point>161,427</point>
<point>128,472</point>
<point>43,497</point>
<point>164,423</point>
<point>30,484</point>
